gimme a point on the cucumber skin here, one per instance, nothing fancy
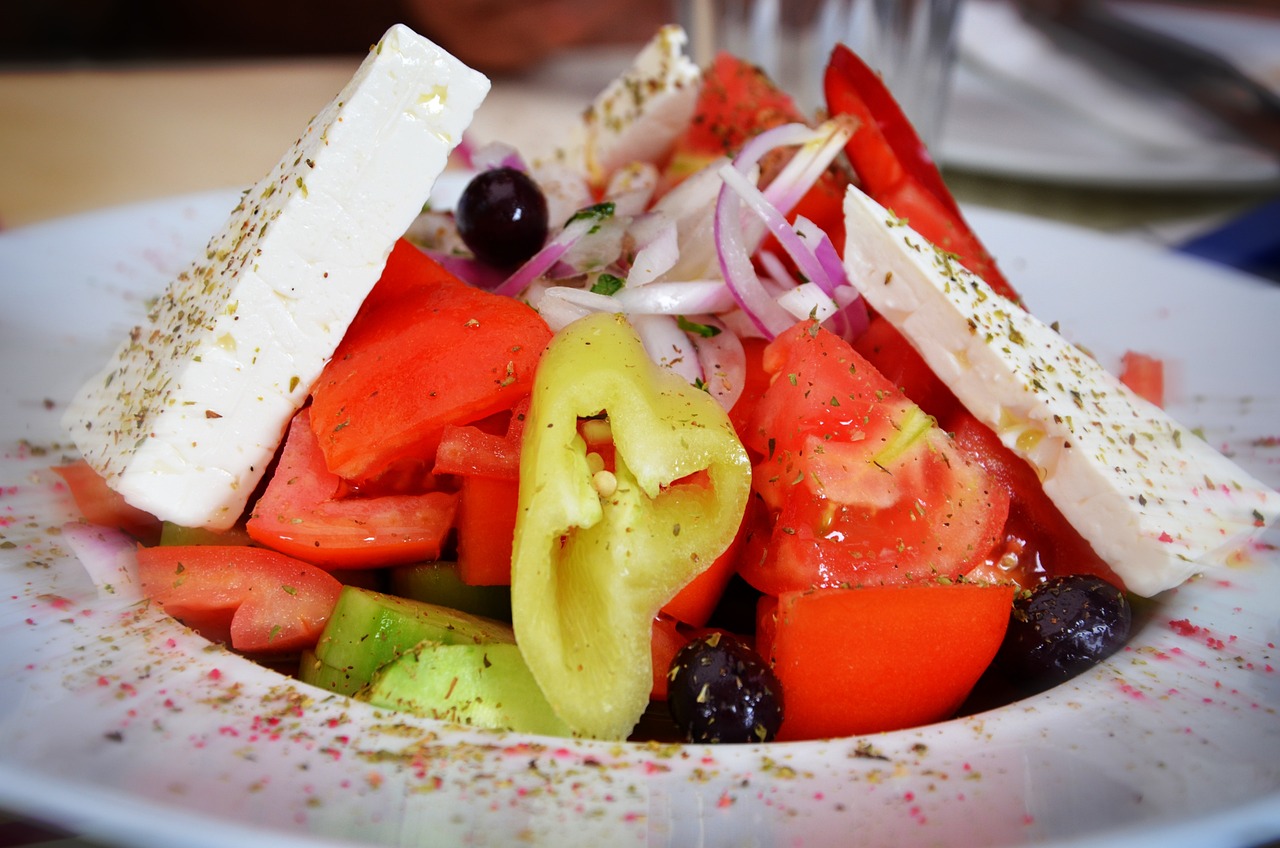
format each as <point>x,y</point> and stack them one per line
<point>367,630</point>
<point>479,685</point>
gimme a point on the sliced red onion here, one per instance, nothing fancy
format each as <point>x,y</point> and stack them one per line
<point>691,205</point>
<point>776,275</point>
<point>686,297</point>
<point>852,319</point>
<point>739,274</point>
<point>588,300</point>
<point>109,556</point>
<point>470,270</point>
<point>810,162</point>
<point>723,362</point>
<point>785,135</point>
<point>497,154</point>
<point>599,248</point>
<point>808,300</point>
<point>668,345</point>
<point>557,310</point>
<point>824,252</point>
<point>819,147</point>
<point>655,257</point>
<point>631,188</point>
<point>800,252</point>
<point>579,226</point>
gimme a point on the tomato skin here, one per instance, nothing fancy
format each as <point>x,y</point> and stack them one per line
<point>486,525</point>
<point>1144,375</point>
<point>738,101</point>
<point>426,350</point>
<point>258,600</point>
<point>862,488</point>
<point>104,506</point>
<point>303,513</point>
<point>1045,542</point>
<point>666,642</point>
<point>895,167</point>
<point>868,660</point>
<point>694,604</point>
<point>894,357</point>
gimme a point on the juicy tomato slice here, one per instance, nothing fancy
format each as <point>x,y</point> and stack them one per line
<point>865,488</point>
<point>102,505</point>
<point>665,643</point>
<point>895,167</point>
<point>258,600</point>
<point>303,513</point>
<point>874,659</point>
<point>755,384</point>
<point>894,357</point>
<point>486,526</point>
<point>1144,375</point>
<point>738,101</point>
<point>1038,535</point>
<point>426,350</point>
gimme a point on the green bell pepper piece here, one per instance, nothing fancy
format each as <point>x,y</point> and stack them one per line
<point>592,566</point>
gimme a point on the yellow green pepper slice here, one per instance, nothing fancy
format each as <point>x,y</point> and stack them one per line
<point>593,562</point>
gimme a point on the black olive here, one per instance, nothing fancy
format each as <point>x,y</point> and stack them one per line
<point>502,216</point>
<point>720,690</point>
<point>1064,626</point>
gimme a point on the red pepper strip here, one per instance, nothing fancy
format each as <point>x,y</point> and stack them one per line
<point>896,169</point>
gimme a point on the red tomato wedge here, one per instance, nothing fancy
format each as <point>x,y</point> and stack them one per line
<point>865,488</point>
<point>1144,375</point>
<point>894,357</point>
<point>426,350</point>
<point>259,601</point>
<point>102,505</point>
<point>304,514</point>
<point>695,603</point>
<point>1043,540</point>
<point>874,659</point>
<point>895,167</point>
<point>666,642</point>
<point>738,101</point>
<point>486,527</point>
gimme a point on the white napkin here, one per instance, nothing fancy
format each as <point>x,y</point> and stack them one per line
<point>997,43</point>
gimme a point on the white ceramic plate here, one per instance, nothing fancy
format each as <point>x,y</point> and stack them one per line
<point>997,130</point>
<point>1042,117</point>
<point>117,723</point>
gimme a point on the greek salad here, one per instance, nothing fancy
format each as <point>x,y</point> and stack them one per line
<point>722,425</point>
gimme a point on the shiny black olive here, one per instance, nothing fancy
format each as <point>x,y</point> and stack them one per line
<point>502,216</point>
<point>720,690</point>
<point>1064,626</point>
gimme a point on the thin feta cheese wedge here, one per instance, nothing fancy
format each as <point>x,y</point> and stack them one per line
<point>1154,500</point>
<point>642,112</point>
<point>185,416</point>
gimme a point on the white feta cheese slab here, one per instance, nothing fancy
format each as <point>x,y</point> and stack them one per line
<point>1155,501</point>
<point>184,418</point>
<point>639,115</point>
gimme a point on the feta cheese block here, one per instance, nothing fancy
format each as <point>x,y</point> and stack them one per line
<point>185,416</point>
<point>1155,501</point>
<point>642,112</point>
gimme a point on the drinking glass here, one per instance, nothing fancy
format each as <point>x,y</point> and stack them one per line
<point>911,43</point>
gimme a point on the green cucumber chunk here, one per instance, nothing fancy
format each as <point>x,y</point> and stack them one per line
<point>481,685</point>
<point>440,583</point>
<point>312,670</point>
<point>368,629</point>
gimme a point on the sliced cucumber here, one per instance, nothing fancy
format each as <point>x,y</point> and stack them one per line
<point>440,583</point>
<point>368,630</point>
<point>485,685</point>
